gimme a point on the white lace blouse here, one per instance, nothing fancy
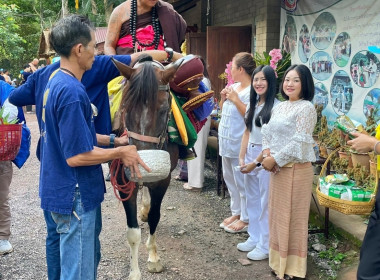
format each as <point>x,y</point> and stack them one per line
<point>288,134</point>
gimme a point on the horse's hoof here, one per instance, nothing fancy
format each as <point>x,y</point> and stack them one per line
<point>134,275</point>
<point>155,267</point>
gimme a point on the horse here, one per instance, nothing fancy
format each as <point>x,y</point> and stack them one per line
<point>145,111</point>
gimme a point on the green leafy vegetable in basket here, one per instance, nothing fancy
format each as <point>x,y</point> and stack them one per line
<point>4,118</point>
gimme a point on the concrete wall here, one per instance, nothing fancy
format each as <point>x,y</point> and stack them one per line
<point>262,15</point>
<point>267,19</point>
<point>232,13</point>
<point>193,16</point>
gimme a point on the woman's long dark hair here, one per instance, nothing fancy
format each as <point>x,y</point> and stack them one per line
<point>265,113</point>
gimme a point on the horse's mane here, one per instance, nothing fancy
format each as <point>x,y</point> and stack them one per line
<point>141,91</point>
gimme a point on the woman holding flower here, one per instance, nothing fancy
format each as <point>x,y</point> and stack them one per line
<point>234,100</point>
<point>288,153</point>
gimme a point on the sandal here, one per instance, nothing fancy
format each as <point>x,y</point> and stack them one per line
<point>232,219</point>
<point>229,229</point>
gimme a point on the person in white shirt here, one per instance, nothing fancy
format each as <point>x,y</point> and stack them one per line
<point>256,180</point>
<point>234,100</point>
<point>195,167</point>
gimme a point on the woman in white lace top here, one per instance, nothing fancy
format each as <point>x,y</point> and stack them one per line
<point>288,153</point>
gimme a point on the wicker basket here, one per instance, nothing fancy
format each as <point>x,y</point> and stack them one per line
<point>345,206</point>
<point>10,141</point>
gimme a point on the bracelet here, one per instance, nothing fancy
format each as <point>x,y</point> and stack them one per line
<point>112,140</point>
<point>169,54</point>
<point>374,148</point>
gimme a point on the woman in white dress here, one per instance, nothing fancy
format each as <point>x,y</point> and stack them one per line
<point>234,100</point>
<point>256,180</point>
<point>288,153</point>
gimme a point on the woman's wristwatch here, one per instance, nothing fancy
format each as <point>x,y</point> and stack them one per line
<point>112,140</point>
<point>257,163</point>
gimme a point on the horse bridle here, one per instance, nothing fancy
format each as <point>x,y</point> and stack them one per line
<point>160,140</point>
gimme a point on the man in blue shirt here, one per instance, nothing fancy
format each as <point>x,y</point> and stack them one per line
<point>71,179</point>
<point>95,81</point>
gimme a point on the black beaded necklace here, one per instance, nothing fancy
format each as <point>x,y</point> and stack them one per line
<point>68,72</point>
<point>133,27</point>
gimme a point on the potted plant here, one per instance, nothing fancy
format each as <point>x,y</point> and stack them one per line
<point>372,163</point>
<point>317,128</point>
<point>340,165</point>
<point>333,140</point>
<point>362,178</point>
<point>323,135</point>
<point>345,153</point>
<point>360,159</point>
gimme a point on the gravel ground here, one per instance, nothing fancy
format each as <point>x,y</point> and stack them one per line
<point>190,242</point>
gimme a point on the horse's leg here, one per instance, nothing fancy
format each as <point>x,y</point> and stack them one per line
<point>144,211</point>
<point>133,234</point>
<point>157,194</point>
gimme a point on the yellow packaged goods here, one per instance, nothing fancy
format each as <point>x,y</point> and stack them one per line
<point>336,178</point>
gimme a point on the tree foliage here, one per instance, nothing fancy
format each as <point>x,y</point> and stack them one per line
<point>22,22</point>
<point>10,40</point>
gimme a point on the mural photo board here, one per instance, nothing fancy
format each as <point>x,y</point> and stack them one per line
<point>332,39</point>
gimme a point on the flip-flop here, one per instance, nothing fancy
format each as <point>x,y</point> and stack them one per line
<point>223,225</point>
<point>230,230</point>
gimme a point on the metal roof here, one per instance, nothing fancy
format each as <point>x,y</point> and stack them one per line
<point>100,34</point>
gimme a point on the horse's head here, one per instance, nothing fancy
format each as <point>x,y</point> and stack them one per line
<point>146,101</point>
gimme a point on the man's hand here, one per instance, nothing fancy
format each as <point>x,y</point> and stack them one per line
<point>362,143</point>
<point>131,159</point>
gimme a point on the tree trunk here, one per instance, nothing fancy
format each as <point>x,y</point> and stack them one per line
<point>94,8</point>
<point>65,8</point>
<point>108,7</point>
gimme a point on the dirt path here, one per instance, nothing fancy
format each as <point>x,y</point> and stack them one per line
<point>191,245</point>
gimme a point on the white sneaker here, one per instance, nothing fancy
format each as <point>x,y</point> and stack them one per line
<point>246,246</point>
<point>257,255</point>
<point>5,247</point>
